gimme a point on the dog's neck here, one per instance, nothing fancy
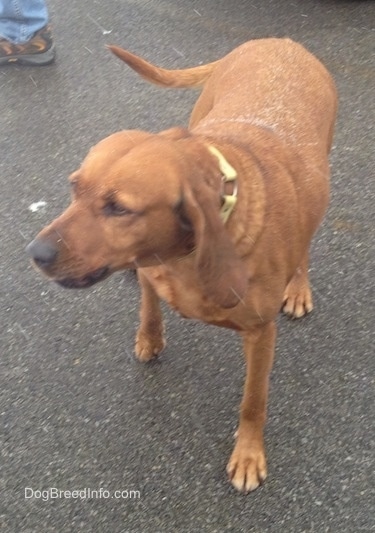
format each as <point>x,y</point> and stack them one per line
<point>229,176</point>
<point>252,121</point>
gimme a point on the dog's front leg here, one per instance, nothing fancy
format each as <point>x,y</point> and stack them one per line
<point>150,339</point>
<point>247,466</point>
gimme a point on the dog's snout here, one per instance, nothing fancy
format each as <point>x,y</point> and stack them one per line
<point>42,252</point>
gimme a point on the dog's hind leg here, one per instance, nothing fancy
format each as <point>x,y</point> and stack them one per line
<point>150,335</point>
<point>297,300</point>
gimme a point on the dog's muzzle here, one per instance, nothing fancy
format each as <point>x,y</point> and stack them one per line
<point>86,281</point>
<point>44,254</point>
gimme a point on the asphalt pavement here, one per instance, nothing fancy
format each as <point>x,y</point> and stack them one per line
<point>78,413</point>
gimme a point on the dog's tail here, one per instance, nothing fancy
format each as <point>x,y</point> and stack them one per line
<point>189,77</point>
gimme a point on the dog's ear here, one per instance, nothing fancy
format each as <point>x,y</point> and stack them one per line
<point>119,144</point>
<point>221,271</point>
<point>175,134</point>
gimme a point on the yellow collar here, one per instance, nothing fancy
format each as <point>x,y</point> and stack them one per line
<point>229,175</point>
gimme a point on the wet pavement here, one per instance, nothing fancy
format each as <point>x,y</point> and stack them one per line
<point>78,413</point>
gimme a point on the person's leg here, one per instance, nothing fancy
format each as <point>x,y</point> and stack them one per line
<point>25,37</point>
<point>21,19</point>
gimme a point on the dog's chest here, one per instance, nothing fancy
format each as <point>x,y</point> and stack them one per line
<point>181,289</point>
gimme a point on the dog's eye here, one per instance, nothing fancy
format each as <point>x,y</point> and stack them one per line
<point>115,209</point>
<point>74,185</point>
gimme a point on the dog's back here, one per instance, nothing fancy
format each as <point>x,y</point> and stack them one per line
<point>272,83</point>
<point>270,95</point>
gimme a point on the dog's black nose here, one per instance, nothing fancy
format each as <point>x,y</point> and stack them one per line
<point>42,252</point>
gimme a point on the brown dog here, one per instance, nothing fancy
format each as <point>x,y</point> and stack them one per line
<point>218,218</point>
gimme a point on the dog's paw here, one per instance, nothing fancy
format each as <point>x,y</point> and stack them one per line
<point>247,467</point>
<point>147,348</point>
<point>297,301</point>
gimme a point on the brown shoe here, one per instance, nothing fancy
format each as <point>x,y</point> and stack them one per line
<point>39,50</point>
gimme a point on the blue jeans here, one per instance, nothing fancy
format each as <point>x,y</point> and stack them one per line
<point>20,19</point>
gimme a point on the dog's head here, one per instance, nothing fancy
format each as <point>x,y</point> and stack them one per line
<point>138,200</point>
